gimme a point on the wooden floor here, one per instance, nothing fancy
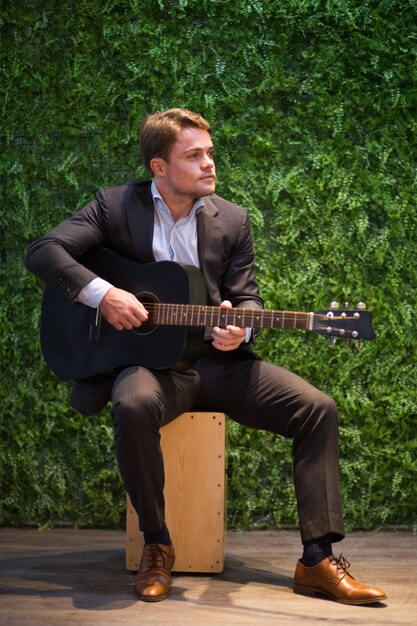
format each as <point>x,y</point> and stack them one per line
<point>78,577</point>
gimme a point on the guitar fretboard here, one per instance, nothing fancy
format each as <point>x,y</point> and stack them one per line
<point>199,315</point>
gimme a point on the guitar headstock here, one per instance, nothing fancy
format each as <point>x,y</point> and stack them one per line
<point>344,324</point>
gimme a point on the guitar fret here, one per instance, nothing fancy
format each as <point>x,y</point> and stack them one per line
<point>203,312</point>
<point>259,316</point>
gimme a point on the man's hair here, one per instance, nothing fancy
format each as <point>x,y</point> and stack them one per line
<point>159,131</point>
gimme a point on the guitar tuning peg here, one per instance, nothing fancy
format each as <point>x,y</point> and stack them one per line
<point>359,344</point>
<point>331,341</point>
<point>361,306</point>
<point>334,304</point>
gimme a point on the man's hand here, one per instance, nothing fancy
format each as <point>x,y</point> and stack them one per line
<point>228,338</point>
<point>122,309</point>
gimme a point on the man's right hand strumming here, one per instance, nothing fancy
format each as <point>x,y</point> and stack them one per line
<point>122,309</point>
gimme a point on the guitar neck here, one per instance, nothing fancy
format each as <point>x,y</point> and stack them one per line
<point>199,315</point>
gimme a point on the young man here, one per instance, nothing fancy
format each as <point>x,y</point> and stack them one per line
<point>177,217</point>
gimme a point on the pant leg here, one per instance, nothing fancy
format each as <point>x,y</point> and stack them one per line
<point>264,396</point>
<point>143,401</point>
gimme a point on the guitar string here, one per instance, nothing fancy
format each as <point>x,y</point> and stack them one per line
<point>170,312</point>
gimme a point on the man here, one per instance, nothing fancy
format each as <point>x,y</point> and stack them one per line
<point>178,217</point>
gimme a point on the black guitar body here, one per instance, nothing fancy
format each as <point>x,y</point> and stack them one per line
<point>77,342</point>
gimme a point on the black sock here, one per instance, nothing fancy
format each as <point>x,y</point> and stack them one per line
<point>158,536</point>
<point>316,550</point>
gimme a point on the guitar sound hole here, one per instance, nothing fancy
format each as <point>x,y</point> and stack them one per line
<point>147,299</point>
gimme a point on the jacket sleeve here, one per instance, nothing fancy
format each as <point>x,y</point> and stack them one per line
<point>54,258</point>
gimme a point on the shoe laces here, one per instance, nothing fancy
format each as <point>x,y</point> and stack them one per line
<point>341,564</point>
<point>156,556</point>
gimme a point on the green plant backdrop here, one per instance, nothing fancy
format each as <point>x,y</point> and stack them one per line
<point>314,106</point>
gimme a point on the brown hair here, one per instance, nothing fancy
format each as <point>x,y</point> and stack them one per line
<point>159,131</point>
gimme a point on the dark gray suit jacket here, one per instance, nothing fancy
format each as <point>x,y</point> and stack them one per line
<point>122,218</point>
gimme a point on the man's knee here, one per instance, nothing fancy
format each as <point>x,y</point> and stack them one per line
<point>135,399</point>
<point>327,405</point>
<point>137,412</point>
<point>317,418</point>
<point>324,410</point>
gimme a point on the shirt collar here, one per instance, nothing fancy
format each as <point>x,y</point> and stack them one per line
<point>160,204</point>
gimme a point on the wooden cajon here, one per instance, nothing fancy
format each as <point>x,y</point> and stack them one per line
<point>193,446</point>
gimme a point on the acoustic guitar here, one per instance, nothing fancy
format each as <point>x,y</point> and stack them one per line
<point>78,343</point>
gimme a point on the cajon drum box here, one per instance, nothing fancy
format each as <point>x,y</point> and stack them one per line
<point>193,446</point>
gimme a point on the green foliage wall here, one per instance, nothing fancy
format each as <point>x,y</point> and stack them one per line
<point>314,109</point>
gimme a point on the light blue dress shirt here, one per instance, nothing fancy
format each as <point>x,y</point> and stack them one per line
<point>175,241</point>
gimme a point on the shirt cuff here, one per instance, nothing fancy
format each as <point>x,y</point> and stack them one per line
<point>247,336</point>
<point>93,293</point>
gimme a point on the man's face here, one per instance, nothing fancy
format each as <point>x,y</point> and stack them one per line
<point>190,170</point>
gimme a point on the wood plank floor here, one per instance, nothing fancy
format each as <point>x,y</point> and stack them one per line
<point>78,577</point>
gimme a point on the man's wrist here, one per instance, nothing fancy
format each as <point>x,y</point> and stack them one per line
<point>93,293</point>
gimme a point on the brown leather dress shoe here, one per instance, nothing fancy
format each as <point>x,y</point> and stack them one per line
<point>153,582</point>
<point>330,577</point>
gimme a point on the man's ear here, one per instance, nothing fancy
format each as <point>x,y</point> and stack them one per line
<point>157,166</point>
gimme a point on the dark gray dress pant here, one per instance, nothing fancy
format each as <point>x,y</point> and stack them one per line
<point>250,391</point>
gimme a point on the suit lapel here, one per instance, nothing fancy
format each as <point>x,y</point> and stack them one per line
<point>140,217</point>
<point>209,225</point>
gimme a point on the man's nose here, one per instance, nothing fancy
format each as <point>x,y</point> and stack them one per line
<point>208,161</point>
